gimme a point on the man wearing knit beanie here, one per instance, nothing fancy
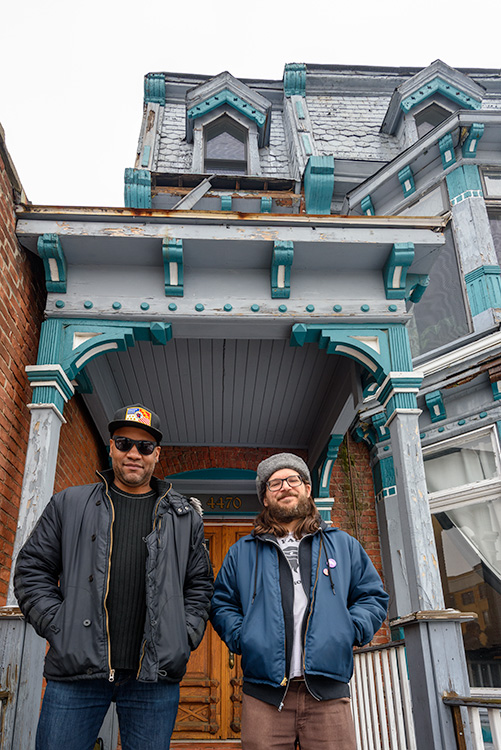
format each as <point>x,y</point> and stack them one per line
<point>293,598</point>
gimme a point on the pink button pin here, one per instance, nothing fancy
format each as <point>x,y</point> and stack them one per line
<point>332,563</point>
<point>325,572</point>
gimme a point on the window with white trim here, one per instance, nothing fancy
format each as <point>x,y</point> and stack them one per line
<point>463,475</point>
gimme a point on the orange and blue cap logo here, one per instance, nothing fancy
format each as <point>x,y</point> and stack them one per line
<point>135,414</point>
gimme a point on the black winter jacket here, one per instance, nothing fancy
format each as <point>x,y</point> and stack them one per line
<point>62,576</point>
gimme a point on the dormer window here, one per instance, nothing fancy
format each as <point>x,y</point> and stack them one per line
<point>225,147</point>
<point>429,117</point>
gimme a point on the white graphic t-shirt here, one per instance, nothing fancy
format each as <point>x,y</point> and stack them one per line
<point>290,548</point>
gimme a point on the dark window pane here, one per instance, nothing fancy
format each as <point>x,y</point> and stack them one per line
<point>440,317</point>
<point>430,117</point>
<point>225,146</point>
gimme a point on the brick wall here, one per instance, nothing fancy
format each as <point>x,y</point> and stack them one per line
<point>81,450</point>
<point>354,507</point>
<point>21,308</point>
<point>175,459</point>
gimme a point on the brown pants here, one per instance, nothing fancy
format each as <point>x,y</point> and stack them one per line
<point>318,725</point>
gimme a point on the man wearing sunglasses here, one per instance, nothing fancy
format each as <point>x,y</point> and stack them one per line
<point>293,598</point>
<point>117,578</point>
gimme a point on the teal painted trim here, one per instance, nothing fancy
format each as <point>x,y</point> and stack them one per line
<point>307,144</point>
<point>300,109</point>
<point>405,384</point>
<point>216,473</point>
<point>496,390</point>
<point>439,86</point>
<point>295,79</point>
<point>395,269</point>
<point>226,202</point>
<point>322,475</point>
<point>324,508</point>
<point>384,475</point>
<point>400,349</point>
<point>145,160</point>
<point>54,262</point>
<point>83,383</point>
<point>415,286</point>
<point>154,88</point>
<point>172,252</point>
<point>228,97</point>
<point>379,421</point>
<point>266,204</point>
<point>483,286</point>
<point>48,395</point>
<point>58,345</point>
<point>435,403</point>
<point>406,179</point>
<point>348,341</point>
<point>319,184</point>
<point>469,148</point>
<point>367,206</point>
<point>446,148</point>
<point>498,425</point>
<point>43,373</point>
<point>464,182</point>
<point>281,263</point>
<point>137,190</point>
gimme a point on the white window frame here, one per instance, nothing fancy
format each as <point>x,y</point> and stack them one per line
<point>467,494</point>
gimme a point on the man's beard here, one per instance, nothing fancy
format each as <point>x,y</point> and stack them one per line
<point>300,510</point>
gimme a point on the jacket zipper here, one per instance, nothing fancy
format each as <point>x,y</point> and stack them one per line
<point>155,512</point>
<point>310,613</point>
<point>111,675</point>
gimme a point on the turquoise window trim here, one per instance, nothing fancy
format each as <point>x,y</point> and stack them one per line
<point>266,204</point>
<point>319,184</point>
<point>406,179</point>
<point>395,269</point>
<point>54,262</point>
<point>323,470</point>
<point>367,206</point>
<point>231,99</point>
<point>483,286</point>
<point>295,79</point>
<point>438,86</point>
<point>446,148</point>
<point>464,182</point>
<point>215,473</point>
<point>281,263</point>
<point>154,88</point>
<point>435,403</point>
<point>172,253</point>
<point>137,188</point>
<point>469,147</point>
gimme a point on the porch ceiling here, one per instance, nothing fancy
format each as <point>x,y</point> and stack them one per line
<point>229,392</point>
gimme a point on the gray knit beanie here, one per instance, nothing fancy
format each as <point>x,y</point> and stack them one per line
<point>279,461</point>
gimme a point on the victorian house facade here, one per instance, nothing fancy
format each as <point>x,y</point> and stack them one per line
<point>313,265</point>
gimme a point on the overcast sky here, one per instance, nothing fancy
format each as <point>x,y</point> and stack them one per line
<point>71,74</point>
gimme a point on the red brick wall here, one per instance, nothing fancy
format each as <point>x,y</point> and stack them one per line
<point>81,450</point>
<point>354,507</point>
<point>175,459</point>
<point>21,308</point>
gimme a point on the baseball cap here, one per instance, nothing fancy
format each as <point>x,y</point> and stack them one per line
<point>137,415</point>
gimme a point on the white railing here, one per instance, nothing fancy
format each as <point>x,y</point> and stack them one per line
<point>483,716</point>
<point>380,699</point>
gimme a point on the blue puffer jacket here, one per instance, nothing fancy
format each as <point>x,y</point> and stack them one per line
<point>252,605</point>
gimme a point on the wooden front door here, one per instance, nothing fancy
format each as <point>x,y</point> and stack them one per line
<point>211,692</point>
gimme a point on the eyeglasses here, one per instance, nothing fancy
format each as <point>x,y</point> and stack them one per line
<point>124,445</point>
<point>276,484</point>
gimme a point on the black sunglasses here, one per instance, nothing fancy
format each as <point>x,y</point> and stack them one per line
<point>124,444</point>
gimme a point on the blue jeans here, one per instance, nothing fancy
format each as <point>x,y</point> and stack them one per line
<point>72,713</point>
